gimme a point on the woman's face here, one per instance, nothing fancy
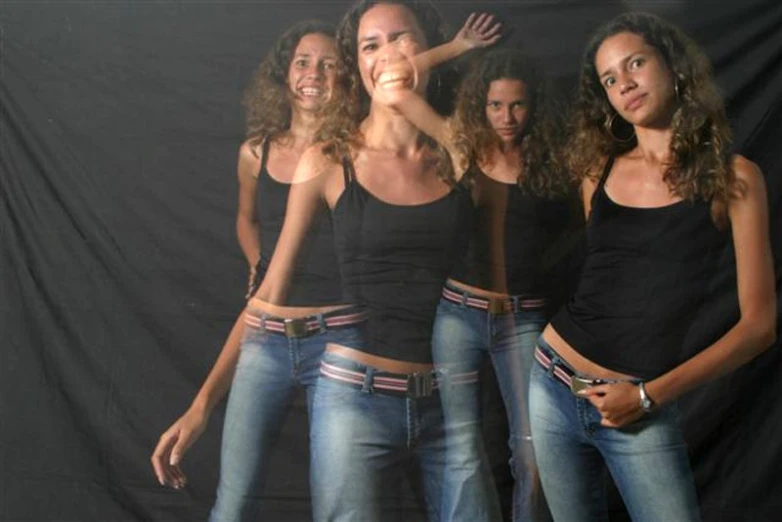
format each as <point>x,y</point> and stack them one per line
<point>507,108</point>
<point>312,71</point>
<point>389,34</point>
<point>636,79</point>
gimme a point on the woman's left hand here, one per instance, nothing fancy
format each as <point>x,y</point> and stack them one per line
<point>618,403</point>
<point>480,30</point>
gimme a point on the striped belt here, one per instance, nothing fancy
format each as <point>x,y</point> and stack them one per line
<point>559,370</point>
<point>493,305</point>
<point>412,385</point>
<point>305,326</point>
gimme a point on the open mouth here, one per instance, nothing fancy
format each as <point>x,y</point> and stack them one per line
<point>311,92</point>
<point>393,80</point>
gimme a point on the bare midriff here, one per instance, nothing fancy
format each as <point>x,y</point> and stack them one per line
<point>380,363</point>
<point>480,292</point>
<point>575,360</point>
<point>291,312</point>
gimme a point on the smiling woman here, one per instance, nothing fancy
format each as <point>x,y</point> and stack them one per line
<point>272,350</point>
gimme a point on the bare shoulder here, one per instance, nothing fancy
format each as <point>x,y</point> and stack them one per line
<point>249,159</point>
<point>314,163</point>
<point>746,171</point>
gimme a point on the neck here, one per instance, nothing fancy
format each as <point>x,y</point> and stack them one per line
<point>385,128</point>
<point>303,127</point>
<point>654,144</point>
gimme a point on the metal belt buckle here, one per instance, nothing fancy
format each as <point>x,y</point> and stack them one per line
<point>419,385</point>
<point>296,327</point>
<point>497,306</point>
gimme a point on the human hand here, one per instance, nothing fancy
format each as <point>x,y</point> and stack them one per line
<point>396,82</point>
<point>479,30</point>
<point>172,446</point>
<point>618,403</point>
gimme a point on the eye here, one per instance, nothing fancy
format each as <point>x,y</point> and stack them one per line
<point>300,63</point>
<point>368,48</point>
<point>329,65</point>
<point>636,63</point>
<point>609,81</point>
<point>519,104</point>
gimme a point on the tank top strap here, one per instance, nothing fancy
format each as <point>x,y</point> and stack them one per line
<point>347,171</point>
<point>265,153</point>
<point>604,175</point>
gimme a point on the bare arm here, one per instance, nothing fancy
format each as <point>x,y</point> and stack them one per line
<point>186,430</point>
<point>480,30</point>
<point>247,228</point>
<point>755,330</point>
<point>306,197</point>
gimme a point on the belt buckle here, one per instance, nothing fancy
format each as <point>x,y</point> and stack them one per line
<point>497,306</point>
<point>419,385</point>
<point>296,327</point>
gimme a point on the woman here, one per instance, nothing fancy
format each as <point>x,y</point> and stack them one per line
<point>398,216</point>
<point>661,197</point>
<point>493,304</point>
<point>282,345</point>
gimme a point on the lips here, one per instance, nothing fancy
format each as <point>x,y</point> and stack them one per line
<point>390,80</point>
<point>311,92</point>
<point>635,102</point>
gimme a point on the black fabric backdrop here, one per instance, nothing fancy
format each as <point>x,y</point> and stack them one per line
<point>121,275</point>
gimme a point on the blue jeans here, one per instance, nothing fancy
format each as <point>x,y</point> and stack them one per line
<point>463,337</point>
<point>271,367</point>
<point>647,459</point>
<point>360,441</point>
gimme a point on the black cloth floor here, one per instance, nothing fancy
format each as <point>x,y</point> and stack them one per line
<point>121,274</point>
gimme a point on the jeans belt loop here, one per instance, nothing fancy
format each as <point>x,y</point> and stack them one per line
<point>463,294</point>
<point>419,385</point>
<point>369,377</point>
<point>516,305</point>
<point>322,323</point>
<point>262,326</point>
<point>296,327</point>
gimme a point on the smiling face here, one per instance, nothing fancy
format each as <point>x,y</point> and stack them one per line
<point>507,108</point>
<point>638,82</point>
<point>389,34</point>
<point>312,71</point>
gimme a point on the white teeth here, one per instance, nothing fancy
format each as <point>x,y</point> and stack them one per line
<point>311,91</point>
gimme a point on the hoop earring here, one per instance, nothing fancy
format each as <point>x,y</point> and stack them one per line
<point>609,125</point>
<point>676,90</point>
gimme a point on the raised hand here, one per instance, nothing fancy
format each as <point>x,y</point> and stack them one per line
<point>480,30</point>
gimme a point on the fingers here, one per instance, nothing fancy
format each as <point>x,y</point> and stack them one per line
<point>470,20</point>
<point>484,23</point>
<point>161,458</point>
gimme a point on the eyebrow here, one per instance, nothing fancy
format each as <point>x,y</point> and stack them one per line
<point>623,62</point>
<point>391,36</point>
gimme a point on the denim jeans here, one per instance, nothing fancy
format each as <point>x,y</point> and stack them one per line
<point>360,442</point>
<point>463,337</point>
<point>647,459</point>
<point>271,367</point>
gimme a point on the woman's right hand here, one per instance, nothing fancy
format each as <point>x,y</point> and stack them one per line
<point>173,444</point>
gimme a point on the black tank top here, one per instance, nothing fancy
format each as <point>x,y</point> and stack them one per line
<point>315,280</point>
<point>644,277</point>
<point>511,230</point>
<point>394,260</point>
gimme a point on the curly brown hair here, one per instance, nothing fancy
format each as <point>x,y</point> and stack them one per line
<point>474,137</point>
<point>702,139</point>
<point>349,104</point>
<point>267,99</point>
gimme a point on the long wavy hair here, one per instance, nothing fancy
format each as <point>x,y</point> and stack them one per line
<point>267,99</point>
<point>349,104</point>
<point>702,139</point>
<point>543,173</point>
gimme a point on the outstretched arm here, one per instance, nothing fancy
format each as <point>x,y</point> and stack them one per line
<point>480,30</point>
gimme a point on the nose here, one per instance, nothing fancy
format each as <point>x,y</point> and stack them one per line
<point>507,115</point>
<point>315,70</point>
<point>626,83</point>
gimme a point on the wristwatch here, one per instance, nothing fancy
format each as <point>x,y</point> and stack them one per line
<point>646,402</point>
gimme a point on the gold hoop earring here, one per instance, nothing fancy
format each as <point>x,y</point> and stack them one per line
<point>609,125</point>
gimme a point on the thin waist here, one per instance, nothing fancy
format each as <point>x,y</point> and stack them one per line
<point>381,363</point>
<point>257,306</point>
